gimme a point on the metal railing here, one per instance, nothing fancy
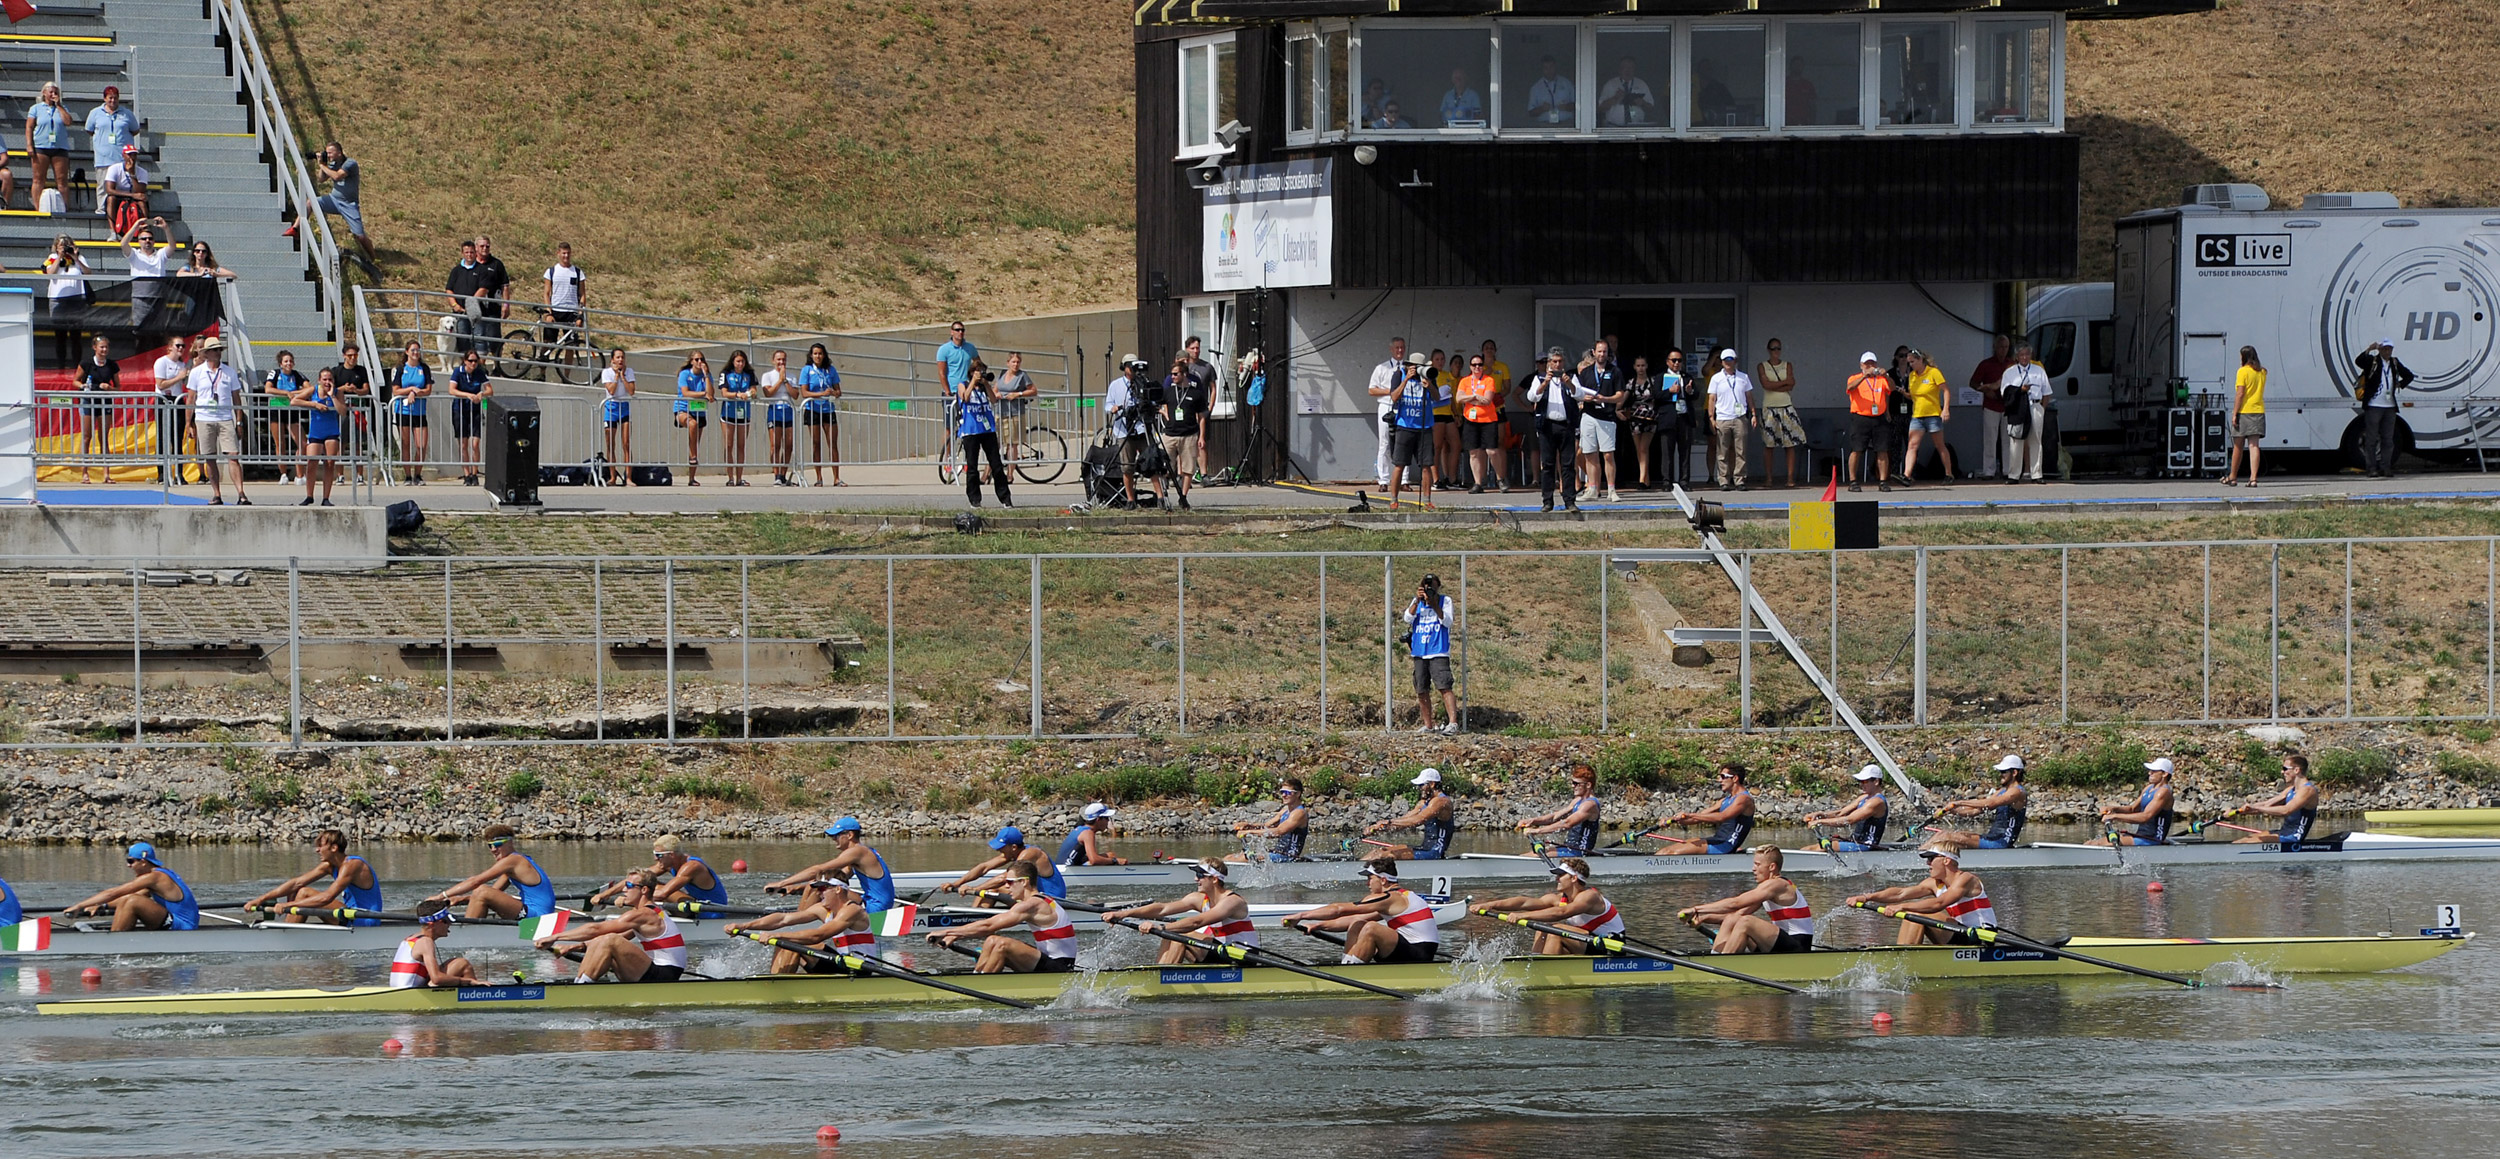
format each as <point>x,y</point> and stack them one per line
<point>258,89</point>
<point>12,65</point>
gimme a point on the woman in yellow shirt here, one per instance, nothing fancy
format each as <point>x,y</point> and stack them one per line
<point>2248,418</point>
<point>1929,408</point>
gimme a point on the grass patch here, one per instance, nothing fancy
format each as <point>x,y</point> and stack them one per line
<point>1652,765</point>
<point>269,790</point>
<point>2468,769</point>
<point>524,784</point>
<point>706,788</point>
<point>2353,768</point>
<point>2107,764</point>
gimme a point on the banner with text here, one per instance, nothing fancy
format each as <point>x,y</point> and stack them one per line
<point>1269,225</point>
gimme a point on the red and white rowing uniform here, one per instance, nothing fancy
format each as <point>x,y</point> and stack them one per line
<point>1414,921</point>
<point>1975,911</point>
<point>1794,918</point>
<point>668,949</point>
<point>855,942</point>
<point>407,969</point>
<point>1053,934</point>
<point>1232,932</point>
<point>1604,923</point>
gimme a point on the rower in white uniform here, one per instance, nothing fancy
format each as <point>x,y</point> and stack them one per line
<point>830,914</point>
<point>1212,911</point>
<point>642,944</point>
<point>1770,918</point>
<point>419,960</point>
<point>1053,949</point>
<point>1574,903</point>
<point>1948,891</point>
<point>1392,925</point>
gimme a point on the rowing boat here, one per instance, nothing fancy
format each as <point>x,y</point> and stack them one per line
<point>73,941</point>
<point>2433,816</point>
<point>2331,955</point>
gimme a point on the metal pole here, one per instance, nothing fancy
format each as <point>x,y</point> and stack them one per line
<point>294,652</point>
<point>138,716</point>
<point>668,642</point>
<point>1180,634</point>
<point>1918,634</point>
<point>2274,636</point>
<point>746,678</point>
<point>1605,674</point>
<point>1834,667</point>
<point>1388,621</point>
<point>2206,665</point>
<point>2348,629</point>
<point>2491,625</point>
<point>1035,683</point>
<point>598,651</point>
<point>451,722</point>
<point>889,646</point>
<point>1462,641</point>
<point>1744,642</point>
<point>2065,589</point>
<point>1323,642</point>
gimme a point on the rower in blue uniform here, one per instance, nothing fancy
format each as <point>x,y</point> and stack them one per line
<point>2298,806</point>
<point>2006,809</point>
<point>1435,817</point>
<point>353,885</point>
<point>1731,820</point>
<point>532,893</point>
<point>683,877</point>
<point>1085,845</point>
<point>1576,823</point>
<point>852,858</point>
<point>1285,831</point>
<point>2154,811</point>
<point>1008,848</point>
<point>1862,819</point>
<point>11,912</point>
<point>155,898</point>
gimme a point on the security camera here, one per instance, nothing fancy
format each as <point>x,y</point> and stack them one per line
<point>1231,133</point>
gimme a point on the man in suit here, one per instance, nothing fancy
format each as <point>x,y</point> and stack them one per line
<point>2382,377</point>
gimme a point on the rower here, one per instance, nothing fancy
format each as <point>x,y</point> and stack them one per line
<point>2298,806</point>
<point>681,877</point>
<point>484,891</point>
<point>852,856</point>
<point>1436,816</point>
<point>1577,821</point>
<point>1008,848</point>
<point>1053,949</point>
<point>353,883</point>
<point>1392,925</point>
<point>1085,845</point>
<point>154,898</point>
<point>1948,891</point>
<point>1862,818</point>
<point>2008,807</point>
<point>2154,810</point>
<point>418,963</point>
<point>1212,911</point>
<point>1285,831</point>
<point>1574,903</point>
<point>11,912</point>
<point>1770,918</point>
<point>642,944</point>
<point>1731,819</point>
<point>839,919</point>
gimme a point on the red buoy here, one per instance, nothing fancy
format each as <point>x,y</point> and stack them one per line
<point>828,1134</point>
<point>738,866</point>
<point>1883,1020</point>
<point>391,1046</point>
<point>91,976</point>
<point>2153,887</point>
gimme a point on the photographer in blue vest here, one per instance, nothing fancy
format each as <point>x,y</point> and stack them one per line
<point>1428,618</point>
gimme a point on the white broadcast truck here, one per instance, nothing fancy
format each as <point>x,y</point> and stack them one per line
<point>2146,364</point>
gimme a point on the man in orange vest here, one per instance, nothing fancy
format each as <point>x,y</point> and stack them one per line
<point>1869,391</point>
<point>1480,418</point>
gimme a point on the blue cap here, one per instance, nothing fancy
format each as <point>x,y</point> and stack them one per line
<point>1006,837</point>
<point>440,915</point>
<point>144,852</point>
<point>845,825</point>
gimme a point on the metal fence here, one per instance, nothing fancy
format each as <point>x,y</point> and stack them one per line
<point>954,647</point>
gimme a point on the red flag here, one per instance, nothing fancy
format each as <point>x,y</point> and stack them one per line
<point>17,9</point>
<point>1831,490</point>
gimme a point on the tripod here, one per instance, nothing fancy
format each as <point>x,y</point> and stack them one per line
<point>1240,473</point>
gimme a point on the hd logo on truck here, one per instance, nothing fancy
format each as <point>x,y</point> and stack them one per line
<point>2244,250</point>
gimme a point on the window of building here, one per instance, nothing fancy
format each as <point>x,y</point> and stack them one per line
<point>1728,72</point>
<point>1824,61</point>
<point>2014,81</point>
<point>1303,99</point>
<point>1335,97</point>
<point>1426,78</point>
<point>1634,74</point>
<point>1541,78</point>
<point>1210,320</point>
<point>1206,92</point>
<point>1915,73</point>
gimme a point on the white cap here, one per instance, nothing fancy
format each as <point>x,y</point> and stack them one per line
<point>1871,773</point>
<point>1869,356</point>
<point>2161,765</point>
<point>1727,354</point>
<point>1427,777</point>
<point>1098,811</point>
<point>2011,761</point>
<point>1944,851</point>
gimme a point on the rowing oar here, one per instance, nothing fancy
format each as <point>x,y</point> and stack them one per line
<point>699,909</point>
<point>2201,826</point>
<point>1621,946</point>
<point>867,965</point>
<point>345,914</point>
<point>1248,956</point>
<point>1996,937</point>
<point>62,909</point>
<point>1625,841</point>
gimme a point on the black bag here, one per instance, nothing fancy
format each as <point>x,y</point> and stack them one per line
<point>402,518</point>
<point>575,476</point>
<point>1153,461</point>
<point>2017,413</point>
<point>653,475</point>
<point>1102,472</point>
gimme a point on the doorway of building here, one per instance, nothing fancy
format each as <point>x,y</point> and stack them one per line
<point>1649,327</point>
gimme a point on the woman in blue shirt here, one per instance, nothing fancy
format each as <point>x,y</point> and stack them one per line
<point>976,427</point>
<point>319,404</point>
<point>694,401</point>
<point>737,395</point>
<point>819,385</point>
<point>47,143</point>
<point>411,385</point>
<point>470,386</point>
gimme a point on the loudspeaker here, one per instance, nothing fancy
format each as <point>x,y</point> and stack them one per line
<point>510,449</point>
<point>1856,526</point>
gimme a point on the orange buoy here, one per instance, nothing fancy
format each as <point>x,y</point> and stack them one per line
<point>2154,887</point>
<point>738,866</point>
<point>91,977</point>
<point>828,1134</point>
<point>1883,1020</point>
<point>391,1046</point>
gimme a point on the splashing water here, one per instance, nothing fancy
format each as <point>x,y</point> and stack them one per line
<point>2240,972</point>
<point>1869,975</point>
<point>1477,974</point>
<point>1085,989</point>
<point>176,1030</point>
<point>599,1024</point>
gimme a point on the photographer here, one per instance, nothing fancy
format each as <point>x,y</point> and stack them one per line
<point>1184,412</point>
<point>1128,407</point>
<point>1428,617</point>
<point>976,427</point>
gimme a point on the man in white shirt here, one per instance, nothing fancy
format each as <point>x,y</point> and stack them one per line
<point>563,282</point>
<point>173,376</point>
<point>1731,417</point>
<point>1125,406</point>
<point>1553,396</point>
<point>147,266</point>
<point>2025,453</point>
<point>213,388</point>
<point>1625,100</point>
<point>1552,100</point>
<point>1384,389</point>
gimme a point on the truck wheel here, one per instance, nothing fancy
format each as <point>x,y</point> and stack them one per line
<point>2348,453</point>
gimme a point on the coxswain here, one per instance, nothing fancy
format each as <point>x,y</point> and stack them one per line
<point>533,893</point>
<point>681,877</point>
<point>1436,816</point>
<point>418,962</point>
<point>852,857</point>
<point>2006,810</point>
<point>641,944</point>
<point>1577,822</point>
<point>1008,848</point>
<point>353,884</point>
<point>1861,820</point>
<point>829,914</point>
<point>1948,891</point>
<point>1285,831</point>
<point>1212,912</point>
<point>2297,806</point>
<point>1085,846</point>
<point>1574,903</point>
<point>2152,814</point>
<point>154,898</point>
<point>1053,949</point>
<point>1770,918</point>
<point>1730,821</point>
<point>1392,925</point>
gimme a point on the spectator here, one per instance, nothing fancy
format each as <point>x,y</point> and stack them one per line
<point>1480,427</point>
<point>1375,97</point>
<point>1731,412</point>
<point>780,393</point>
<point>466,286</point>
<point>691,411</point>
<point>112,130</point>
<point>1898,416</point>
<point>1016,389</point>
<point>1930,410</point>
<point>1392,116</point>
<point>976,427</point>
<point>99,379</point>
<point>65,292</point>
<point>1551,98</point>
<point>737,409</point>
<point>1200,369</point>
<point>616,416</point>
<point>213,388</point>
<point>1186,400</point>
<point>319,404</point>
<point>286,424</point>
<point>339,169</point>
<point>203,264</point>
<point>470,388</point>
<point>1428,618</point>
<point>1781,431</point>
<point>565,295</point>
<point>819,385</point>
<point>1552,394</point>
<point>2383,377</point>
<point>956,354</point>
<point>355,385</point>
<point>1446,454</point>
<point>47,147</point>
<point>147,268</point>
<point>411,385</point>
<point>2025,389</point>
<point>1385,381</point>
<point>1985,383</point>
<point>1511,459</point>
<point>1870,399</point>
<point>173,377</point>
<point>1410,429</point>
<point>1639,425</point>
<point>1625,100</point>
<point>1461,103</point>
<point>1678,416</point>
<point>125,188</point>
<point>1125,408</point>
<point>1600,391</point>
<point>492,307</point>
<point>2248,416</point>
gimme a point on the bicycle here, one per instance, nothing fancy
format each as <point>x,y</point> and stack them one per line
<point>1038,456</point>
<point>565,354</point>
